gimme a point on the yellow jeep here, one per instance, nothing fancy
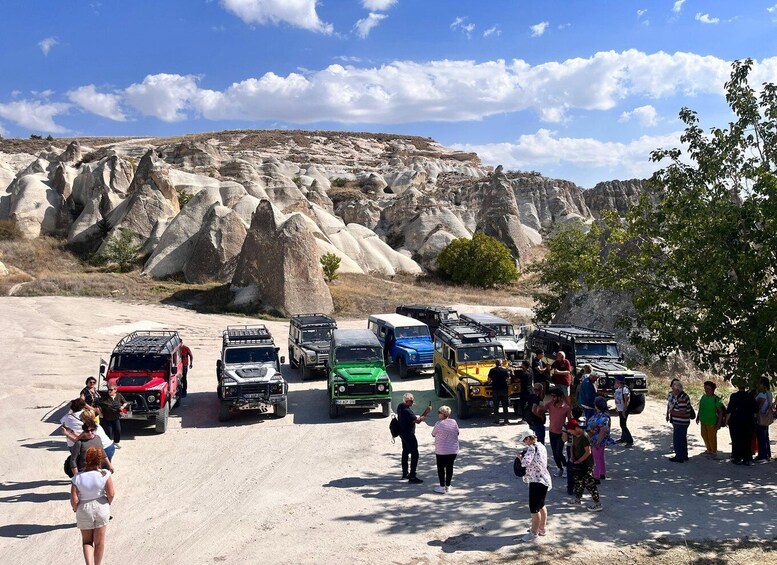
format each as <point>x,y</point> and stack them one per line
<point>464,353</point>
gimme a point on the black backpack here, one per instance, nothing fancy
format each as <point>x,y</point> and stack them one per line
<point>394,427</point>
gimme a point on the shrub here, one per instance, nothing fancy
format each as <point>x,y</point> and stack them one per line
<point>298,181</point>
<point>183,198</point>
<point>482,261</point>
<point>34,136</point>
<point>339,182</point>
<point>330,263</point>
<point>49,137</point>
<point>9,231</point>
<point>123,251</point>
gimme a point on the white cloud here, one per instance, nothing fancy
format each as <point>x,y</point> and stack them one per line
<point>533,151</point>
<point>564,26</point>
<point>641,12</point>
<point>494,30</point>
<point>645,115</point>
<point>678,6</point>
<point>538,29</point>
<point>468,29</point>
<point>378,5</point>
<point>164,96</point>
<point>706,19</point>
<point>46,44</point>
<point>772,9</point>
<point>34,115</point>
<point>458,21</point>
<point>105,105</point>
<point>297,13</point>
<point>365,25</point>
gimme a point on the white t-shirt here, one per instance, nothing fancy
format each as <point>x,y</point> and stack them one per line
<point>72,422</point>
<point>768,400</point>
<point>106,441</point>
<point>91,484</point>
<point>619,394</point>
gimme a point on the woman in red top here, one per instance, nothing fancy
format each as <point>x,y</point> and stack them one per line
<point>559,411</point>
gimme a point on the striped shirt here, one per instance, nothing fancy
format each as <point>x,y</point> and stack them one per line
<point>446,437</point>
<point>682,404</point>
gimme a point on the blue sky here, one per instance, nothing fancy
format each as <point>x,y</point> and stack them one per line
<point>574,89</point>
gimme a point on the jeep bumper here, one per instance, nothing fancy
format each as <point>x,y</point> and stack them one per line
<point>361,402</point>
<point>254,402</point>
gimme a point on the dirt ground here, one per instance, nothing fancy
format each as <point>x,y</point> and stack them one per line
<point>307,489</point>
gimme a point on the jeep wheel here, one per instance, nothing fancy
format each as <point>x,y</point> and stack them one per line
<point>292,362</point>
<point>402,362</point>
<point>637,404</point>
<point>161,419</point>
<point>281,409</point>
<point>386,409</point>
<point>224,412</point>
<point>462,408</point>
<point>305,370</point>
<point>334,409</point>
<point>439,389</point>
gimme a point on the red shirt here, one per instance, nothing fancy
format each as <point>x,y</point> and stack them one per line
<point>186,353</point>
<point>563,365</point>
<point>558,415</point>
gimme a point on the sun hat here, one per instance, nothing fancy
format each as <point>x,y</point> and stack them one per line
<point>527,433</point>
<point>621,378</point>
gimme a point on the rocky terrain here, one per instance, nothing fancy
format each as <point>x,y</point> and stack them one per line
<point>258,208</point>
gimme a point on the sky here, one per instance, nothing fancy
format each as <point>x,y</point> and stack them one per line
<point>577,89</point>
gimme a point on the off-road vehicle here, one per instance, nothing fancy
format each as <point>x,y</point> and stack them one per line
<point>249,373</point>
<point>406,342</point>
<point>310,336</point>
<point>429,315</point>
<point>464,353</point>
<point>357,375</point>
<point>146,367</point>
<point>596,348</point>
<point>513,344</point>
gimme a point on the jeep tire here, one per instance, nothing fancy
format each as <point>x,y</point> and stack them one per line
<point>636,404</point>
<point>224,412</point>
<point>304,370</point>
<point>386,406</point>
<point>281,409</point>
<point>334,410</point>
<point>462,408</point>
<point>402,363</point>
<point>161,419</point>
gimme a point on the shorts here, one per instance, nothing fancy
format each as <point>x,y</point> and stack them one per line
<point>537,493</point>
<point>93,514</point>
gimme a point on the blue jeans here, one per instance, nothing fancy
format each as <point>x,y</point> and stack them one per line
<point>109,451</point>
<point>539,429</point>
<point>764,449</point>
<point>680,441</point>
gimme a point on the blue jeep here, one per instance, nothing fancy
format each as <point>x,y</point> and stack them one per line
<point>406,342</point>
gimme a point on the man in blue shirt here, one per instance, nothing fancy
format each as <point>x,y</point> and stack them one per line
<point>587,393</point>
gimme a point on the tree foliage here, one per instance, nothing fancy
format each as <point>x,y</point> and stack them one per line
<point>482,261</point>
<point>122,251</point>
<point>330,263</point>
<point>699,254</point>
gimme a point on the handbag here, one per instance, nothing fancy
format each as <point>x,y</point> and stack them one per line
<point>518,469</point>
<point>68,469</point>
<point>766,418</point>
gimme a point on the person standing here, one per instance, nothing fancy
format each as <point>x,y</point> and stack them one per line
<point>566,435</point>
<point>112,405</point>
<point>558,412</point>
<point>89,393</point>
<point>764,418</point>
<point>446,447</point>
<point>561,371</point>
<point>188,363</point>
<point>523,376</point>
<point>622,398</point>
<point>536,416</point>
<point>586,396</point>
<point>680,416</point>
<point>599,433</point>
<point>87,440</point>
<point>711,415</point>
<point>582,460</point>
<point>499,378</point>
<point>540,370</point>
<point>407,421</point>
<point>71,422</point>
<point>670,398</point>
<point>739,419</point>
<point>91,495</point>
<point>535,460</point>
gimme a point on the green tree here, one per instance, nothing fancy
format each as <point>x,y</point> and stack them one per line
<point>482,261</point>
<point>123,251</point>
<point>700,255</point>
<point>184,198</point>
<point>330,263</point>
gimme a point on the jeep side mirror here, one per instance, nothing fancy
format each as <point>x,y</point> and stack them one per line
<point>218,365</point>
<point>283,359</point>
<point>621,357</point>
<point>102,370</point>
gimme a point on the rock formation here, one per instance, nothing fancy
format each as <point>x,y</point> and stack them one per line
<point>216,247</point>
<point>615,195</point>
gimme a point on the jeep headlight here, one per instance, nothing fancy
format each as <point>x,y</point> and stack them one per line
<point>602,381</point>
<point>277,388</point>
<point>381,387</point>
<point>310,356</point>
<point>341,389</point>
<point>413,356</point>
<point>151,399</point>
<point>474,389</point>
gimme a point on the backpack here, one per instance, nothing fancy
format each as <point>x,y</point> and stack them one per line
<point>394,427</point>
<point>68,469</point>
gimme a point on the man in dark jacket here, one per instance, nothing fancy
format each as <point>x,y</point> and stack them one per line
<point>407,421</point>
<point>499,378</point>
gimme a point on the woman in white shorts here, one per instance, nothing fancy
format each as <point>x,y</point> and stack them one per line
<point>91,496</point>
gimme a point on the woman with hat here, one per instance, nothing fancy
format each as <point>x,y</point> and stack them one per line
<point>535,460</point>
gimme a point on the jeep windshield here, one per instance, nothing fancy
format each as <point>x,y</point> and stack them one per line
<point>139,362</point>
<point>249,355</point>
<point>412,332</point>
<point>480,353</point>
<point>596,350</point>
<point>359,354</point>
<point>316,334</point>
<point>503,330</point>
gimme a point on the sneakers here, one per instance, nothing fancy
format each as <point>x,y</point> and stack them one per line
<point>560,473</point>
<point>440,490</point>
<point>415,480</point>
<point>117,446</point>
<point>539,532</point>
<point>529,537</point>
<point>447,489</point>
<point>596,507</point>
<point>405,476</point>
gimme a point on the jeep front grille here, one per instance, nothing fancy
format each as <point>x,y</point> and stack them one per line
<point>137,402</point>
<point>425,358</point>
<point>253,389</point>
<point>361,388</point>
<point>321,358</point>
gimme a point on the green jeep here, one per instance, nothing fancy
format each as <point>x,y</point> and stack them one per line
<point>356,373</point>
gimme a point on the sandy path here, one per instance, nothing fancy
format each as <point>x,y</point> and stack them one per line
<point>306,489</point>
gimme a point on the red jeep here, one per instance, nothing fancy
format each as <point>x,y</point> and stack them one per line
<point>146,367</point>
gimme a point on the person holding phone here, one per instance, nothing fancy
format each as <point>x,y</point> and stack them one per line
<point>407,421</point>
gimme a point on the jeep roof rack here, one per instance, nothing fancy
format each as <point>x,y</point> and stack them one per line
<point>570,331</point>
<point>316,319</point>
<point>466,331</point>
<point>247,334</point>
<point>430,307</point>
<point>148,342</point>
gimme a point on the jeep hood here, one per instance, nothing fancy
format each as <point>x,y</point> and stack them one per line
<point>609,366</point>
<point>137,381</point>
<point>471,370</point>
<point>317,346</point>
<point>254,373</point>
<point>358,374</point>
<point>509,344</point>
<point>419,344</point>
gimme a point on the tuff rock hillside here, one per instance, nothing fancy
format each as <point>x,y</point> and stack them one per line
<point>382,203</point>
